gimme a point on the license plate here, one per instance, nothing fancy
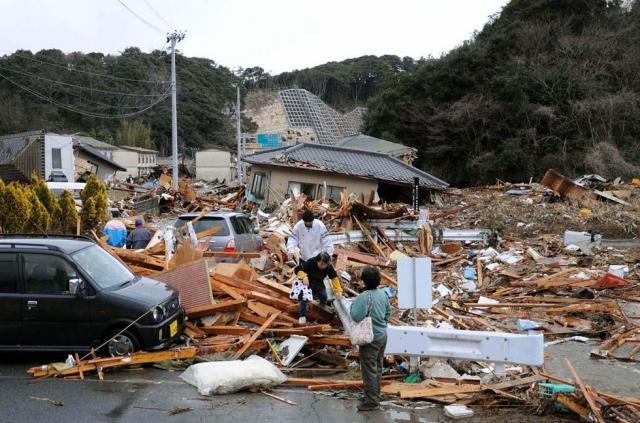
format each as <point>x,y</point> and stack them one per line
<point>173,328</point>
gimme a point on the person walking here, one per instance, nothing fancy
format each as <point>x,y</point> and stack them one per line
<point>374,303</point>
<point>311,236</point>
<point>139,237</point>
<point>313,272</point>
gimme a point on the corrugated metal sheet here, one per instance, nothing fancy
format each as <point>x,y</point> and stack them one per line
<point>192,280</point>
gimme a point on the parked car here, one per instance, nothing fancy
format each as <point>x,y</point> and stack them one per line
<point>236,232</point>
<point>67,293</point>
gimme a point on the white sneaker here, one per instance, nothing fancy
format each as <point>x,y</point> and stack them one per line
<point>302,320</point>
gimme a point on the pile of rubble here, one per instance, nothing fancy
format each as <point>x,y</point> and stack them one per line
<point>530,266</point>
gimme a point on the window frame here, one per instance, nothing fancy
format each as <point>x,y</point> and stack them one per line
<point>315,189</point>
<point>261,184</point>
<point>56,155</point>
<point>23,272</point>
<point>17,284</point>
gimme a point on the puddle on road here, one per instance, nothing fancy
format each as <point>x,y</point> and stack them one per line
<point>608,376</point>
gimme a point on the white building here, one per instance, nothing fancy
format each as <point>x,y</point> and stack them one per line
<point>214,163</point>
<point>137,160</point>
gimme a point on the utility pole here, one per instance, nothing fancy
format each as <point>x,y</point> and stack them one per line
<point>174,37</point>
<point>239,136</point>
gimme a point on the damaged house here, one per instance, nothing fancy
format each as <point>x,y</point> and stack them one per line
<point>324,171</point>
<point>47,154</point>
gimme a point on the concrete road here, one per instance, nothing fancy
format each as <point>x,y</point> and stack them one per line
<point>141,395</point>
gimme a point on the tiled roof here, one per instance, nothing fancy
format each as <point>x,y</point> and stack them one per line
<point>11,145</point>
<point>99,155</point>
<point>367,143</point>
<point>347,161</point>
<point>97,144</point>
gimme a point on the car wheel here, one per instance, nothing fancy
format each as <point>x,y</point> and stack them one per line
<point>121,344</point>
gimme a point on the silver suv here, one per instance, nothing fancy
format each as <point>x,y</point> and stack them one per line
<point>236,234</point>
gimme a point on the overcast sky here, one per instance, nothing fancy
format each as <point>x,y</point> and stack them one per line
<point>278,35</point>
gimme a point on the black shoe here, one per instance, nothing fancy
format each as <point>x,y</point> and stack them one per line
<point>365,406</point>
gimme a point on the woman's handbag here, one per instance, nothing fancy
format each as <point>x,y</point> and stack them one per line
<point>362,332</point>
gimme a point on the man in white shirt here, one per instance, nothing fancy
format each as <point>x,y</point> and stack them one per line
<point>311,236</point>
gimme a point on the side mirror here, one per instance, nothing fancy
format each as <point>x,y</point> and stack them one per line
<point>76,286</point>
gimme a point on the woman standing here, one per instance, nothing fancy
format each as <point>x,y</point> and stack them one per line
<point>372,302</point>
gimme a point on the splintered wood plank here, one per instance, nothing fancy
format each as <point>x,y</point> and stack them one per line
<point>225,330</point>
<point>222,254</point>
<point>568,402</point>
<point>480,268</point>
<point>275,286</point>
<point>79,363</point>
<point>345,384</point>
<point>432,392</point>
<point>208,232</point>
<point>255,336</point>
<point>389,279</point>
<point>361,257</point>
<point>208,310</point>
<point>272,301</point>
<point>372,241</point>
<point>331,340</point>
<point>585,392</point>
<point>192,331</point>
<point>303,330</point>
<point>233,293</point>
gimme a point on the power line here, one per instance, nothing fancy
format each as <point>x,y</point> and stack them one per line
<point>66,67</point>
<point>78,86</point>
<point>83,112</point>
<point>157,14</point>
<point>143,20</point>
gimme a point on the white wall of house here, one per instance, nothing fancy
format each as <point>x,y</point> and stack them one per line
<point>58,156</point>
<point>127,159</point>
<point>212,164</point>
<point>146,162</point>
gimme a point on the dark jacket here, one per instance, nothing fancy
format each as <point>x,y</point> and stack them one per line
<point>138,238</point>
<point>315,275</point>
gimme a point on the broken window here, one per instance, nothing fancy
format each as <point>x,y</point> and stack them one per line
<point>47,274</point>
<point>56,158</point>
<point>259,184</point>
<point>310,190</point>
<point>9,274</point>
<point>333,193</point>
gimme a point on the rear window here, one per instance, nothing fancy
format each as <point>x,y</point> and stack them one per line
<point>242,225</point>
<point>205,223</point>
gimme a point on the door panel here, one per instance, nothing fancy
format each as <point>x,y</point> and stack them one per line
<point>52,315</point>
<point>10,300</point>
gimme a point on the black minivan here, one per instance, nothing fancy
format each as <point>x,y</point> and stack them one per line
<point>67,293</point>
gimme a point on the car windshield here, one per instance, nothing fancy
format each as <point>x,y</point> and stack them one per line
<point>103,268</point>
<point>205,223</point>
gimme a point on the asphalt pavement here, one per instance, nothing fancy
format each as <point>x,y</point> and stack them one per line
<point>149,394</point>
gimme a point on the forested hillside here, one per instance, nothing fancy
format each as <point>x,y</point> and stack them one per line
<point>343,85</point>
<point>46,90</point>
<point>546,83</point>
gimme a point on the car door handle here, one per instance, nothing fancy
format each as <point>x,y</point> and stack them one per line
<point>32,304</point>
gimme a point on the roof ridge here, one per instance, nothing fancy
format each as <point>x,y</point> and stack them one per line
<point>23,134</point>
